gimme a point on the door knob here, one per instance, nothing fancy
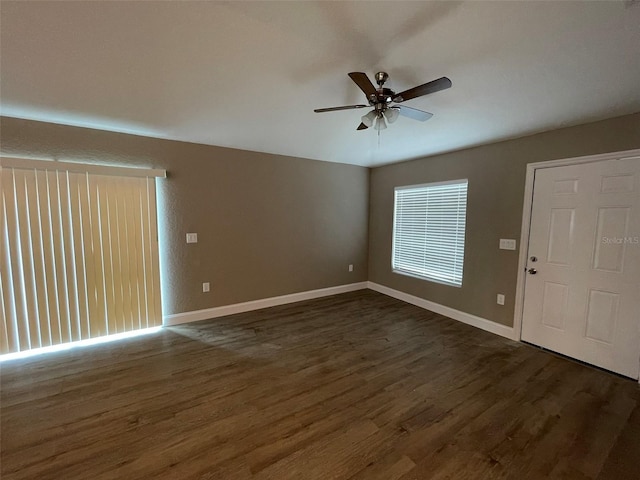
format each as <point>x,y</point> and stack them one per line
<point>532,271</point>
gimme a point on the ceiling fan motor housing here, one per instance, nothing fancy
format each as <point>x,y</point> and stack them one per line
<point>381,99</point>
<point>382,96</point>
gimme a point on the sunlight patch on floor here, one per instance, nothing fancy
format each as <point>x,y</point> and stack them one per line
<point>79,344</point>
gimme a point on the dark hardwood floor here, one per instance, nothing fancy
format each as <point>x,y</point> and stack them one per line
<point>356,386</point>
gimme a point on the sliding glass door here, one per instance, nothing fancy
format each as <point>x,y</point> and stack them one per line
<point>78,253</point>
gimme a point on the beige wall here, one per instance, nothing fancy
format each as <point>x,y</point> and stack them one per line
<point>271,225</point>
<point>496,176</point>
<point>267,225</point>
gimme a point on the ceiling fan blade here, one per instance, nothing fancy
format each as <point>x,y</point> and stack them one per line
<point>364,83</point>
<point>362,126</point>
<point>414,113</point>
<point>430,87</point>
<point>333,109</point>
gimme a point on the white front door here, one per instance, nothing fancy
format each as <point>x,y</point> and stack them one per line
<point>582,290</point>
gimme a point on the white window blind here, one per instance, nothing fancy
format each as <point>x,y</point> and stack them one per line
<point>428,231</point>
<point>78,253</point>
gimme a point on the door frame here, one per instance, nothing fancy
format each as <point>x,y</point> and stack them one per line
<point>526,222</point>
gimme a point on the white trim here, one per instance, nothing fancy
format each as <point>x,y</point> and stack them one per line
<point>623,155</point>
<point>463,317</point>
<point>524,251</point>
<point>31,164</point>
<point>526,220</point>
<point>214,312</point>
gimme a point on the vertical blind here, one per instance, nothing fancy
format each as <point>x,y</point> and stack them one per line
<point>79,255</point>
<point>428,231</point>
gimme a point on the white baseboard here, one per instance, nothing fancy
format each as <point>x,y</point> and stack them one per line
<point>214,312</point>
<point>463,317</point>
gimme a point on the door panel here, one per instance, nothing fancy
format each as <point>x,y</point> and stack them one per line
<point>613,222</point>
<point>554,305</point>
<point>584,298</point>
<point>560,236</point>
<point>602,316</point>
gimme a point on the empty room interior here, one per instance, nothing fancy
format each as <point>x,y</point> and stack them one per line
<point>350,240</point>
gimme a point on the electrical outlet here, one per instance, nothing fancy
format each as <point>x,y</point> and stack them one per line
<point>507,244</point>
<point>500,299</point>
<point>351,268</point>
<point>192,238</point>
<point>205,287</point>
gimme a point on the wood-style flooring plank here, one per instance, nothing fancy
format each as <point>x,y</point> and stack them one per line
<point>357,386</point>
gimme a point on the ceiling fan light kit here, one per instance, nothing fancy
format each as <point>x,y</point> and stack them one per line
<point>381,98</point>
<point>392,114</point>
<point>369,118</point>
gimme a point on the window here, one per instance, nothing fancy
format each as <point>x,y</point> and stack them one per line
<point>428,231</point>
<point>78,252</point>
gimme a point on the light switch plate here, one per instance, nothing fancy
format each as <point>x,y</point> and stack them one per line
<point>507,244</point>
<point>500,299</point>
<point>205,287</point>
<point>192,238</point>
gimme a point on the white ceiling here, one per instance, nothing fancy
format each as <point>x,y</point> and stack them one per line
<point>249,74</point>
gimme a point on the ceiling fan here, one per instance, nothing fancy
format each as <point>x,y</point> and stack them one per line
<point>381,99</point>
